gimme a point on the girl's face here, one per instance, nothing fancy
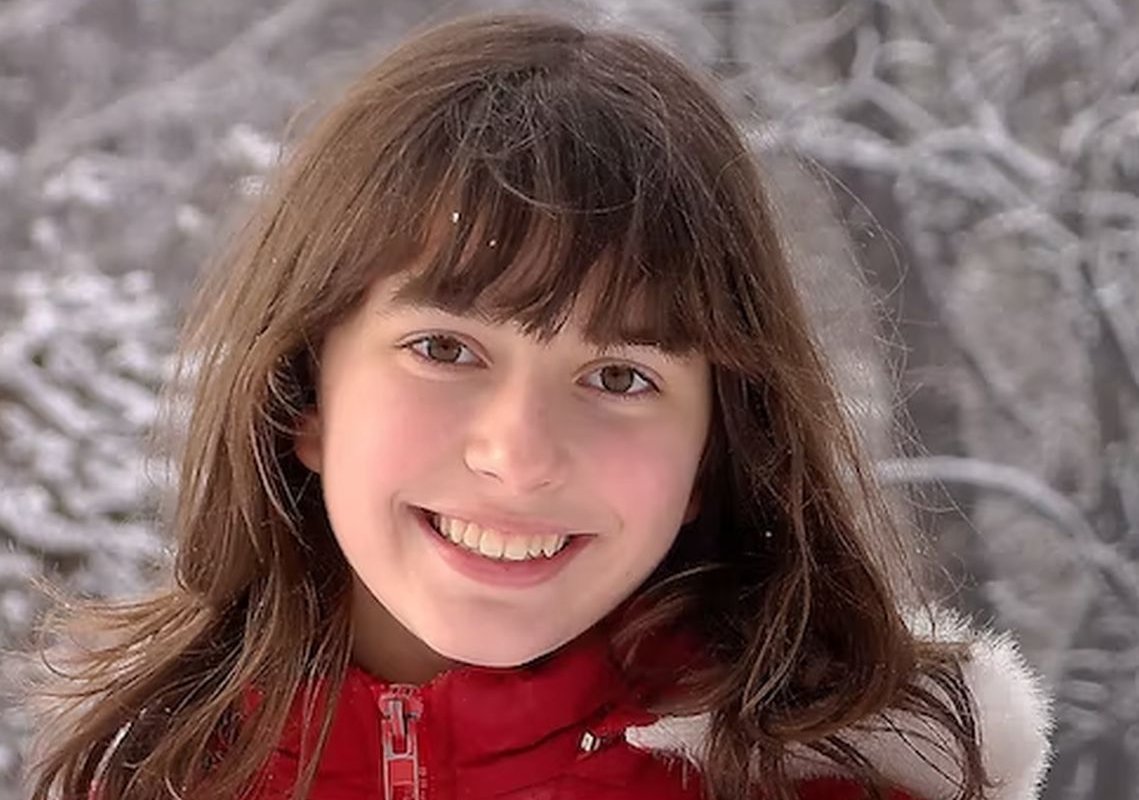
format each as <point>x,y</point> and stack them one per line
<point>564,471</point>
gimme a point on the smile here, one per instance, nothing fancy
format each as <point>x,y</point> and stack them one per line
<point>494,544</point>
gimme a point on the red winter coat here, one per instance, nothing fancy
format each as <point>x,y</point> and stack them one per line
<point>551,731</point>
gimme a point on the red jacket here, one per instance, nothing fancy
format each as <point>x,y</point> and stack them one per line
<point>551,731</point>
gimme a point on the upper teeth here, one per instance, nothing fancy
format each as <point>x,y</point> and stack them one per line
<point>494,544</point>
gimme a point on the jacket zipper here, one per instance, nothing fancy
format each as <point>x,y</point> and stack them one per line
<point>401,775</point>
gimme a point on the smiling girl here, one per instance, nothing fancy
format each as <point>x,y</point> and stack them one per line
<point>513,471</point>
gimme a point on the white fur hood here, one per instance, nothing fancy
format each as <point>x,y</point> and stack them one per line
<point>1014,717</point>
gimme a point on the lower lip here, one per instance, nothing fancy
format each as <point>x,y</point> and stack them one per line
<point>495,572</point>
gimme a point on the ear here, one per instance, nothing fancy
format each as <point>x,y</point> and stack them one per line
<point>308,444</point>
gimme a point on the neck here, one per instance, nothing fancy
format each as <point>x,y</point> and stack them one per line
<point>382,646</point>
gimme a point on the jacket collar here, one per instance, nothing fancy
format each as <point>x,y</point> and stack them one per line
<point>489,711</point>
<point>1013,710</point>
<point>472,718</point>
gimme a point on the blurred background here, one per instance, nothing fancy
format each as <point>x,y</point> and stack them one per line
<point>959,180</point>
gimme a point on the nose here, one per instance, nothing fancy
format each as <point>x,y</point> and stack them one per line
<point>515,440</point>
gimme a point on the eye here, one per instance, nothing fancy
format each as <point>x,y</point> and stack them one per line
<point>442,349</point>
<point>621,380</point>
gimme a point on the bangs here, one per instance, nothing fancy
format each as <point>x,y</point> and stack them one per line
<point>537,203</point>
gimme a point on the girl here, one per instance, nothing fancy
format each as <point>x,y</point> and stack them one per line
<point>512,471</point>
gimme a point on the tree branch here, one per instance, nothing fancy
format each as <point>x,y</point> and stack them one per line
<point>180,94</point>
<point>1042,498</point>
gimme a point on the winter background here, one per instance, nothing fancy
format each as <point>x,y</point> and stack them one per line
<point>980,159</point>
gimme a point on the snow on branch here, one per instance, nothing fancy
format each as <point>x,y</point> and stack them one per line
<point>81,359</point>
<point>1043,499</point>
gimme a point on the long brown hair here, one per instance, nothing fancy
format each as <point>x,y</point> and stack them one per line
<point>616,162</point>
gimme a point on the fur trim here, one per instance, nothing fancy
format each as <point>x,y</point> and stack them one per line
<point>1014,717</point>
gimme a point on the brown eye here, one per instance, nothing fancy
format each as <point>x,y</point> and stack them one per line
<point>617,379</point>
<point>622,381</point>
<point>440,349</point>
<point>443,350</point>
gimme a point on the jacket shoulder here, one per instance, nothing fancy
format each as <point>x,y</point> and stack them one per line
<point>841,789</point>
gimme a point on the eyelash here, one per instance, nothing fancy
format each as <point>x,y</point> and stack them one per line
<point>415,345</point>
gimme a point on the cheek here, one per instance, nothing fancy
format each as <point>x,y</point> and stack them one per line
<point>646,473</point>
<point>390,426</point>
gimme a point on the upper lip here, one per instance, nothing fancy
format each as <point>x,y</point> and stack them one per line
<point>510,524</point>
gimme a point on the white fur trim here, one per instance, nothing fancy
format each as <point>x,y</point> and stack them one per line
<point>1014,715</point>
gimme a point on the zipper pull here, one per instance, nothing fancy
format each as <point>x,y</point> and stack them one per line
<point>590,742</point>
<point>593,740</point>
<point>400,710</point>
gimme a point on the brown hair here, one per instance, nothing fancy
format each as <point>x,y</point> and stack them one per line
<point>616,162</point>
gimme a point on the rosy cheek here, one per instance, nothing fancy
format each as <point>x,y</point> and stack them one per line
<point>417,416</point>
<point>638,470</point>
